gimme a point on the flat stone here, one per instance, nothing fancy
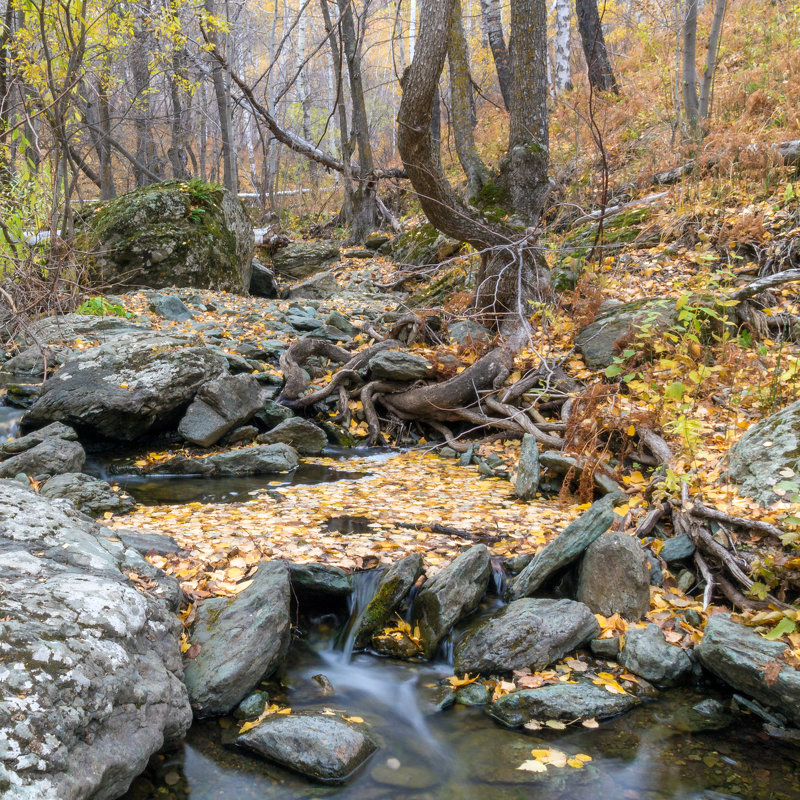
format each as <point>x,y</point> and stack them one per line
<point>321,747</point>
<point>452,593</point>
<point>751,664</point>
<point>253,460</point>
<point>53,456</point>
<point>301,434</point>
<point>30,440</point>
<point>565,548</point>
<point>320,287</point>
<point>614,578</point>
<point>648,654</point>
<point>301,259</point>
<point>242,640</point>
<point>399,365</point>
<point>88,494</point>
<point>145,543</point>
<point>313,581</point>
<point>525,634</point>
<point>605,648</point>
<point>567,701</point>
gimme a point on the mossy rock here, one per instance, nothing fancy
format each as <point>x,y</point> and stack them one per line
<point>175,233</point>
<point>423,246</point>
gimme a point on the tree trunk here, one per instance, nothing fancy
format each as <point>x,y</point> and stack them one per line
<point>462,105</point>
<point>107,189</point>
<point>562,73</point>
<point>691,104</point>
<point>223,98</point>
<point>598,64</point>
<point>711,58</point>
<point>493,21</point>
<point>140,67</point>
<point>178,154</point>
<point>5,95</point>
<point>365,208</point>
<point>510,270</point>
<point>527,161</point>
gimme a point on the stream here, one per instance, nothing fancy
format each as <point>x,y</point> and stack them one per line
<point>459,753</point>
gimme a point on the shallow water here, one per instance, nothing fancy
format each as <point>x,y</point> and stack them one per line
<point>9,422</point>
<point>463,754</point>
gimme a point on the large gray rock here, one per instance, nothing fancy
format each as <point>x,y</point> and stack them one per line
<point>88,494</point>
<point>568,701</point>
<point>525,634</point>
<point>394,586</point>
<point>259,460</point>
<point>242,640</point>
<point>467,332</point>
<point>751,664</point>
<point>600,341</point>
<point>452,593</point>
<point>54,430</point>
<point>302,434</point>
<point>53,456</point>
<point>322,286</point>
<point>315,582</point>
<point>565,548</point>
<point>170,307</point>
<point>176,233</point>
<point>125,389</point>
<point>90,666</point>
<point>677,548</point>
<point>399,365</point>
<point>614,578</point>
<point>301,259</point>
<point>769,447</point>
<point>320,747</point>
<point>220,406</point>
<point>649,655</point>
<point>526,483</point>
<point>262,281</point>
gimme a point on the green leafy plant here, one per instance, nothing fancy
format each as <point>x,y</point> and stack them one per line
<point>100,307</point>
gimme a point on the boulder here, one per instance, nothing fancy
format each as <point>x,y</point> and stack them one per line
<point>423,246</point>
<point>122,390</point>
<point>526,483</point>
<point>394,586</point>
<point>259,460</point>
<point>272,414</point>
<point>466,332</point>
<point>316,582</point>
<point>301,259</point>
<point>219,406</point>
<point>170,307</point>
<point>302,434</point>
<point>54,430</point>
<point>53,456</point>
<point>565,548</point>
<point>649,655</point>
<point>262,281</point>
<point>602,340</point>
<point>452,593</point>
<point>766,453</point>
<point>321,747</point>
<point>525,634</point>
<point>340,321</point>
<point>90,666</point>
<point>145,543</point>
<point>88,494</point>
<point>752,665</point>
<point>175,233</point>
<point>242,640</point>
<point>399,365</point>
<point>322,286</point>
<point>614,578</point>
<point>567,701</point>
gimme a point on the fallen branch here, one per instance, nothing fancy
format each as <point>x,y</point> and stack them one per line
<point>699,510</point>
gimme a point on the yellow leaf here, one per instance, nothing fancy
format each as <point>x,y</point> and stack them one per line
<point>631,430</point>
<point>357,720</point>
<point>532,766</point>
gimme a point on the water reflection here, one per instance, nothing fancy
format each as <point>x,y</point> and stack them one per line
<point>462,754</point>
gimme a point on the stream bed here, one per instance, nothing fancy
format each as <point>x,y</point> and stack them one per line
<point>461,753</point>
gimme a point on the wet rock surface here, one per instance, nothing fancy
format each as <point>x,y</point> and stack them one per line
<point>320,747</point>
<point>752,665</point>
<point>241,640</point>
<point>398,365</point>
<point>450,594</point>
<point>90,495</point>
<point>258,460</point>
<point>648,654</point>
<point>90,667</point>
<point>301,434</point>
<point>525,634</point>
<point>567,701</point>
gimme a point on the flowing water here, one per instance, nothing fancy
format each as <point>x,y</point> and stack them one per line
<point>457,754</point>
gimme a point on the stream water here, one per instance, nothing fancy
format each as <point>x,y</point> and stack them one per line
<point>460,753</point>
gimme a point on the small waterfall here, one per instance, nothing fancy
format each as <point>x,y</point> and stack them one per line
<point>9,422</point>
<point>365,584</point>
<point>499,577</point>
